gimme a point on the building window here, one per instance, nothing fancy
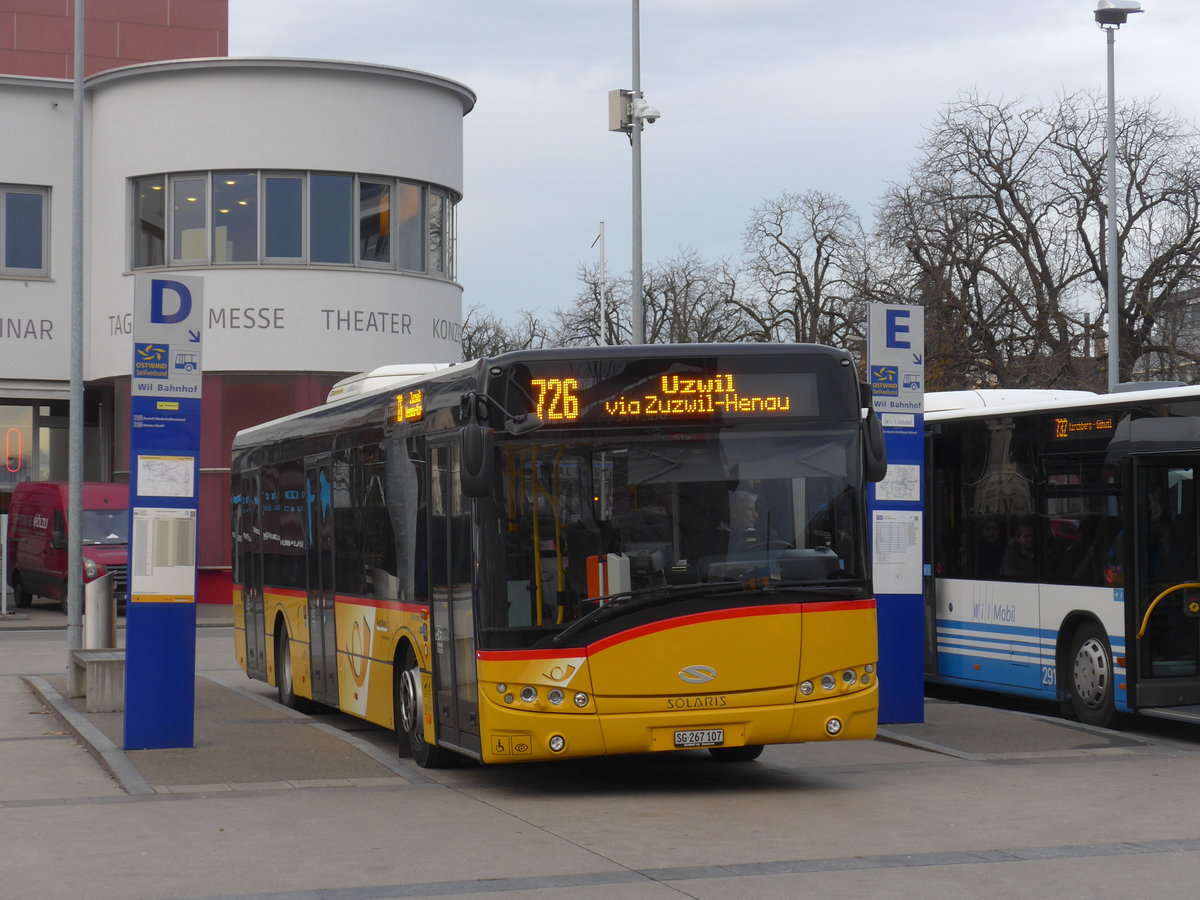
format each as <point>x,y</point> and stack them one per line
<point>437,226</point>
<point>410,227</point>
<point>235,217</point>
<point>374,222</point>
<point>24,230</point>
<point>331,201</point>
<point>283,218</point>
<point>292,218</point>
<point>149,219</point>
<point>189,219</point>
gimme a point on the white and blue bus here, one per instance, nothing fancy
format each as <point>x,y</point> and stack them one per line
<point>1062,548</point>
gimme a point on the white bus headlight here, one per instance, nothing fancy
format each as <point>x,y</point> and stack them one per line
<point>555,696</point>
<point>581,699</point>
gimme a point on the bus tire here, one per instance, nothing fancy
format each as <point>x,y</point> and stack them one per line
<point>284,682</point>
<point>748,753</point>
<point>1090,668</point>
<point>21,597</point>
<point>409,704</point>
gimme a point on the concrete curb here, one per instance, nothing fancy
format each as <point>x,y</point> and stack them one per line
<point>110,756</point>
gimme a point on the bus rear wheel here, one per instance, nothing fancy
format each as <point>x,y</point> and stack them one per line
<point>409,712</point>
<point>1090,667</point>
<point>283,671</point>
<point>747,753</point>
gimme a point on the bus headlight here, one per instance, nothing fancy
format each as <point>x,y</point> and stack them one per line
<point>806,688</point>
<point>581,699</point>
<point>849,677</point>
<point>528,694</point>
<point>557,743</point>
<point>833,727</point>
<point>828,682</point>
<point>555,696</point>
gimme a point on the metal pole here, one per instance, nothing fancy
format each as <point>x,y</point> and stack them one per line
<point>1114,312</point>
<point>75,419</point>
<point>636,314</point>
<point>603,293</point>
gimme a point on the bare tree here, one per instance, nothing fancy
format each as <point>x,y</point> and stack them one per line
<point>685,299</point>
<point>484,334</point>
<point>805,258</point>
<point>688,300</point>
<point>579,324</point>
<point>1004,220</point>
<point>1158,215</point>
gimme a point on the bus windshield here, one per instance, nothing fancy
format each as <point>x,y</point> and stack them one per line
<point>587,519</point>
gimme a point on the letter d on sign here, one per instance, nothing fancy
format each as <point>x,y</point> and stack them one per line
<point>157,313</point>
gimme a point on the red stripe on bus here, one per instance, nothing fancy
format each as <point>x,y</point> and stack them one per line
<point>375,603</point>
<point>667,624</point>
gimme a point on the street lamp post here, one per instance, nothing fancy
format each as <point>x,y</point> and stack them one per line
<point>1111,15</point>
<point>627,110</point>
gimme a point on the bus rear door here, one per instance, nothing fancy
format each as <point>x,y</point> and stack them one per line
<point>321,618</point>
<point>250,564</point>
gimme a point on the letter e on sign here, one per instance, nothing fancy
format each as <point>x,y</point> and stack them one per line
<point>898,328</point>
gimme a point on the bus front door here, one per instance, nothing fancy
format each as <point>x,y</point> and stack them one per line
<point>1167,540</point>
<point>321,614</point>
<point>451,597</point>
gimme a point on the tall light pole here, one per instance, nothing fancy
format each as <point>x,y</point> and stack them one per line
<point>1111,15</point>
<point>627,110</point>
<point>603,299</point>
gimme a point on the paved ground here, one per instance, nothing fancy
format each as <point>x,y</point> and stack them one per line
<point>974,802</point>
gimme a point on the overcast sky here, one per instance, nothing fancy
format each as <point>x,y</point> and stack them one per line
<point>757,97</point>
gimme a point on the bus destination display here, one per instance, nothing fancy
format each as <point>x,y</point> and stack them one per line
<point>566,400</point>
<point>1066,427</point>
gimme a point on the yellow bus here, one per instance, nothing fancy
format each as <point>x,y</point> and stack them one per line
<point>570,553</point>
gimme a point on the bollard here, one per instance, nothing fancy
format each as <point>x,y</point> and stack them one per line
<point>99,614</point>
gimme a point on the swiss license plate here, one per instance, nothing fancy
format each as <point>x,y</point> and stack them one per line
<point>700,737</point>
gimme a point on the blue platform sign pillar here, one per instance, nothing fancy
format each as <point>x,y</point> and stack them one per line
<point>896,361</point>
<point>164,469</point>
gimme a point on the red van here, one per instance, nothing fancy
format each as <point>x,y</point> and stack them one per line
<point>37,539</point>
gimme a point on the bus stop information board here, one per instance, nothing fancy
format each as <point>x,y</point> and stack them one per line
<point>896,362</point>
<point>164,468</point>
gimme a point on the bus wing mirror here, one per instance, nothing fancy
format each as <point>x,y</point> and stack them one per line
<point>874,448</point>
<point>477,468</point>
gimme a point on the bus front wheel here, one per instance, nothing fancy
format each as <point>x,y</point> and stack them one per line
<point>1090,667</point>
<point>409,710</point>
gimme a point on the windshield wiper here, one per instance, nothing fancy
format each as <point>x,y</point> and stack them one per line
<point>628,601</point>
